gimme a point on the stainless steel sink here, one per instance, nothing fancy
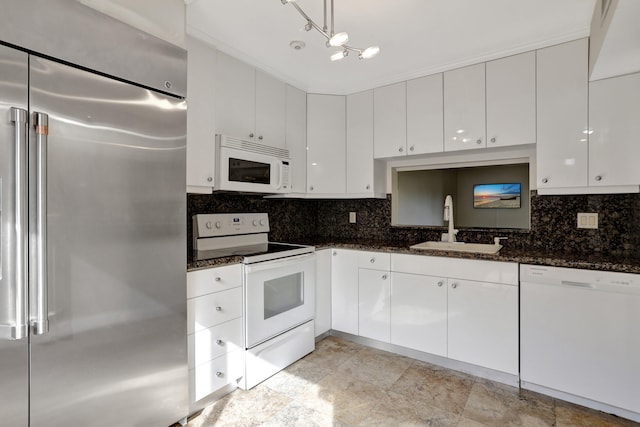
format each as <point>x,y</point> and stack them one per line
<point>483,248</point>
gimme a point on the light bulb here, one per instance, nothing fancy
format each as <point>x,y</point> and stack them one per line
<point>338,55</point>
<point>369,52</point>
<point>338,39</point>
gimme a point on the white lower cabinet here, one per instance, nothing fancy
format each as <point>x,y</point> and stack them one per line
<point>214,331</point>
<point>419,312</point>
<point>483,324</point>
<point>437,308</point>
<point>344,291</point>
<point>374,304</point>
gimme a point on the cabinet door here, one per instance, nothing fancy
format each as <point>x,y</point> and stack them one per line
<point>390,120</point>
<point>235,97</point>
<point>425,115</point>
<point>562,115</point>
<point>323,292</point>
<point>419,312</point>
<point>344,291</point>
<point>483,324</point>
<point>511,100</point>
<point>374,304</point>
<point>296,137</point>
<point>360,142</point>
<point>326,144</point>
<point>271,104</point>
<point>464,108</point>
<point>200,118</point>
<point>614,119</point>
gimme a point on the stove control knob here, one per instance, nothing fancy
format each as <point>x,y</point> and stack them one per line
<point>255,222</point>
<point>209,225</point>
<point>218,224</point>
<point>262,222</point>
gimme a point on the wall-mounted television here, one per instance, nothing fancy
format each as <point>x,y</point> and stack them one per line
<point>496,196</point>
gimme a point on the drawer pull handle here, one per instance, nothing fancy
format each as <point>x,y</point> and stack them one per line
<point>373,260</point>
<point>218,278</point>
<point>218,308</point>
<point>219,374</point>
<point>219,342</point>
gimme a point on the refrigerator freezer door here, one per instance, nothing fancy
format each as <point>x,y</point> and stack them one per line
<point>115,352</point>
<point>14,357</point>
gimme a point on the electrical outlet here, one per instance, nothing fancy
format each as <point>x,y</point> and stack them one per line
<point>352,217</point>
<point>587,220</point>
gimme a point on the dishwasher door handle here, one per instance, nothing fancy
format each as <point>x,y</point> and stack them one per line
<point>577,284</point>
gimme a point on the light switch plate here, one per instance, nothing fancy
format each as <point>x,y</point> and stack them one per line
<point>352,217</point>
<point>587,220</point>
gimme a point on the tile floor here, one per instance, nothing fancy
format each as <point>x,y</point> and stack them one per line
<point>345,384</point>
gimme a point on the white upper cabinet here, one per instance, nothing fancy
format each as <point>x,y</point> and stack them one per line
<point>201,92</point>
<point>249,104</point>
<point>511,100</point>
<point>425,115</point>
<point>464,108</point>
<point>326,121</point>
<point>271,101</point>
<point>235,97</point>
<point>365,176</point>
<point>390,121</point>
<point>296,137</point>
<point>614,119</point>
<point>562,146</point>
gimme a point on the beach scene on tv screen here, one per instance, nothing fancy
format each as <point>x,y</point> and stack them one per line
<point>496,196</point>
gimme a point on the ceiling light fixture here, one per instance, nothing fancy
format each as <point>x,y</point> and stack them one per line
<point>334,39</point>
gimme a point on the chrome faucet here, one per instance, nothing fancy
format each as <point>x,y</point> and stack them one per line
<point>448,216</point>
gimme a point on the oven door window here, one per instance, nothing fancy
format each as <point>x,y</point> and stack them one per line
<point>241,170</point>
<point>283,294</point>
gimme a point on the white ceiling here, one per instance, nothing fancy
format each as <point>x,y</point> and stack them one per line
<point>416,37</point>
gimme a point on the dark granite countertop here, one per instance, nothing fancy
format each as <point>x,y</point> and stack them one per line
<point>589,262</point>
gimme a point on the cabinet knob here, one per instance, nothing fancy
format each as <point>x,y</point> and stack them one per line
<point>545,180</point>
<point>260,138</point>
<point>479,141</point>
<point>368,187</point>
<point>311,187</point>
<point>440,283</point>
<point>218,308</point>
<point>454,285</point>
<point>384,277</point>
<point>401,149</point>
<point>219,374</point>
<point>209,178</point>
<point>219,342</point>
<point>373,260</point>
<point>598,178</point>
<point>217,279</point>
<point>412,148</point>
<point>493,139</point>
<point>250,135</point>
<point>335,253</point>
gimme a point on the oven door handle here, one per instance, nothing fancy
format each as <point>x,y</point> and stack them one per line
<point>282,262</point>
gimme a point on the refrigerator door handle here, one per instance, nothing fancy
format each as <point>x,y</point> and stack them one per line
<point>40,323</point>
<point>19,329</point>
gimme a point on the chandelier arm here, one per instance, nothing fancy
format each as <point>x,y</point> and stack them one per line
<point>332,19</point>
<point>324,27</point>
<point>309,20</point>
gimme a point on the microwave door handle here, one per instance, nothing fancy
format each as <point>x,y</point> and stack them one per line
<point>280,177</point>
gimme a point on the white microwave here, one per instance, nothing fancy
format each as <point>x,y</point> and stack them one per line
<point>248,166</point>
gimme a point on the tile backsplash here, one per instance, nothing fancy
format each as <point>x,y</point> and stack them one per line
<point>553,222</point>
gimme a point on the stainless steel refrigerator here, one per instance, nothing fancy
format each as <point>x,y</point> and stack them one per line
<point>92,265</point>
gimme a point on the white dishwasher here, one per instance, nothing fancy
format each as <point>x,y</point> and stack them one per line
<point>580,337</point>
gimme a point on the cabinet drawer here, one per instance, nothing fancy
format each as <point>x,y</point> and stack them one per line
<point>213,309</point>
<point>211,280</point>
<point>207,344</point>
<point>374,260</point>
<point>215,374</point>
